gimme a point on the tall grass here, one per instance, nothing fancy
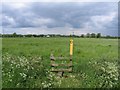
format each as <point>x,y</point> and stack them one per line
<point>26,62</point>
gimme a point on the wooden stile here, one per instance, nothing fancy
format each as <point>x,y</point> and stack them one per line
<point>54,65</point>
<point>58,70</point>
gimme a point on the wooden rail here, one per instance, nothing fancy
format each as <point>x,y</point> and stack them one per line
<point>62,70</point>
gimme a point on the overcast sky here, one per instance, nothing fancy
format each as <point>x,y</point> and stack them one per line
<point>60,17</point>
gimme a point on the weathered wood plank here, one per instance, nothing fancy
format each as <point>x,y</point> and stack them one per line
<point>60,74</point>
<point>52,57</point>
<point>62,70</point>
<point>55,65</point>
<point>62,58</point>
<point>59,58</point>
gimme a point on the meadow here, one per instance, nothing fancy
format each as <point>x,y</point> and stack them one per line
<point>26,63</point>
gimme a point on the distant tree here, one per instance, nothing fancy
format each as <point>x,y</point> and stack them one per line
<point>70,35</point>
<point>98,35</point>
<point>28,35</point>
<point>88,35</point>
<point>34,35</point>
<point>0,35</point>
<point>41,35</point>
<point>82,35</point>
<point>14,34</point>
<point>93,35</point>
<point>108,36</point>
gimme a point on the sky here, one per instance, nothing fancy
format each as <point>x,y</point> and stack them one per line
<point>55,17</point>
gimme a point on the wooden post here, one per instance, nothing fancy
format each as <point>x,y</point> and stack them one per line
<point>71,47</point>
<point>71,50</point>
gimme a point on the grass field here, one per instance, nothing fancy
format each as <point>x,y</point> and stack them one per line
<point>26,62</point>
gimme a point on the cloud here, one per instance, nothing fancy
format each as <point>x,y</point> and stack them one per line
<point>100,21</point>
<point>42,21</point>
<point>106,24</point>
<point>61,17</point>
<point>8,21</point>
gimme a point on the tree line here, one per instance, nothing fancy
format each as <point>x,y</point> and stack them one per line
<point>88,35</point>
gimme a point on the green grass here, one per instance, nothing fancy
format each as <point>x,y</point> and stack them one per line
<point>89,58</point>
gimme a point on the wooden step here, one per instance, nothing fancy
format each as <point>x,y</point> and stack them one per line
<point>62,58</point>
<point>59,58</point>
<point>62,70</point>
<point>55,65</point>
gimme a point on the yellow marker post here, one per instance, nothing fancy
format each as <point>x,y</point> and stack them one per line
<point>71,47</point>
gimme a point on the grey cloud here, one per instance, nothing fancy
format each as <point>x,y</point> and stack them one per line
<point>72,14</point>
